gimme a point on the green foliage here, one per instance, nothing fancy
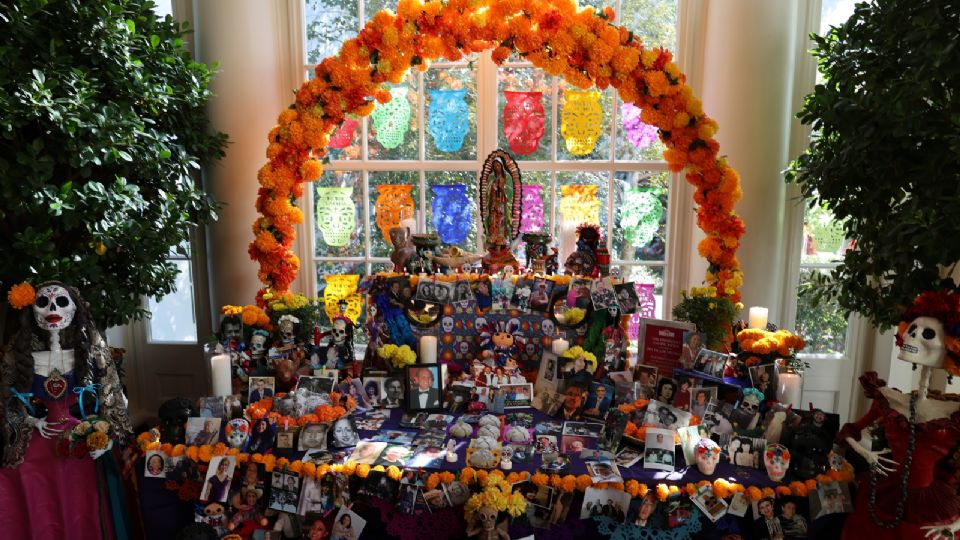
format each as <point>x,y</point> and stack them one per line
<point>823,325</point>
<point>102,130</point>
<point>712,315</point>
<point>885,156</point>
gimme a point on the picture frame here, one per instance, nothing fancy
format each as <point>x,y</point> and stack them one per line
<point>627,299</point>
<point>260,391</point>
<point>518,396</point>
<point>424,389</point>
<point>660,343</point>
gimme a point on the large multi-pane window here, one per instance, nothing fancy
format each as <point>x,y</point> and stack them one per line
<point>403,145</point>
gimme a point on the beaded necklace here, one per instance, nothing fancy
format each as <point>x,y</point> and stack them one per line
<point>904,479</point>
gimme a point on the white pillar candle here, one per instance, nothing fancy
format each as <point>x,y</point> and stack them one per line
<point>220,373</point>
<point>428,349</point>
<point>789,388</point>
<point>560,346</point>
<point>758,317</point>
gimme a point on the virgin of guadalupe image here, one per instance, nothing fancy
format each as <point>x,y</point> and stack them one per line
<point>500,208</point>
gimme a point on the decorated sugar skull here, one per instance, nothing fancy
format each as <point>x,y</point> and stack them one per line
<point>923,342</point>
<point>54,308</point>
<point>288,328</point>
<point>776,458</point>
<point>506,455</point>
<point>238,433</point>
<point>708,455</point>
<point>258,344</point>
<point>548,327</point>
<point>447,324</point>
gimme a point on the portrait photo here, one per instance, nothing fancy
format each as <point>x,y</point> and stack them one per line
<point>343,434</point>
<point>628,456</point>
<point>745,451</point>
<point>832,498</point>
<point>712,506</point>
<point>700,397</point>
<point>216,485</point>
<point>645,378</point>
<point>316,496</point>
<point>599,400</point>
<point>518,396</point>
<point>764,378</point>
<point>434,292</point>
<point>608,502</point>
<point>391,395</point>
<point>155,465</point>
<point>665,416</point>
<point>424,388</point>
<point>317,385</point>
<point>739,504</point>
<point>260,387</point>
<point>313,437</point>
<point>541,293</point>
<point>284,492</point>
<point>373,389</point>
<point>286,437</point>
<point>211,406</point>
<point>658,449</point>
<point>627,297</point>
<point>602,294</point>
<point>367,452</point>
<point>347,525</point>
<point>693,342</point>
<point>603,471</point>
<point>201,431</point>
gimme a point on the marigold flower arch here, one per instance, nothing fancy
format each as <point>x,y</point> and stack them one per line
<point>557,36</point>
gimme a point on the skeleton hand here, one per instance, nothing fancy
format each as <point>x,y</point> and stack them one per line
<point>47,430</point>
<point>945,532</point>
<point>882,465</point>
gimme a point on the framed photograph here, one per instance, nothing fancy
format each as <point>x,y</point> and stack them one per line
<point>660,343</point>
<point>540,297</point>
<point>666,417</point>
<point>700,397</point>
<point>313,437</point>
<point>764,379</point>
<point>518,395</point>
<point>347,525</point>
<point>599,400</point>
<point>260,387</point>
<point>344,433</point>
<point>627,297</point>
<point>286,437</point>
<point>434,292</point>
<point>658,449</point>
<point>155,465</point>
<point>609,502</point>
<point>317,385</point>
<point>713,507</point>
<point>201,431</point>
<point>710,362</point>
<point>216,485</point>
<point>645,379</point>
<point>391,395</point>
<point>424,387</point>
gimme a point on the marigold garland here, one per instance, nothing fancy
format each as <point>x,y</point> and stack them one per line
<point>579,44</point>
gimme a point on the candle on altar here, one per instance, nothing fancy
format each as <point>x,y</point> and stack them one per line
<point>428,349</point>
<point>220,373</point>
<point>560,346</point>
<point>789,388</point>
<point>758,317</point>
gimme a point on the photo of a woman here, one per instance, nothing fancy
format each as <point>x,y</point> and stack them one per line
<point>155,466</point>
<point>218,479</point>
<point>347,525</point>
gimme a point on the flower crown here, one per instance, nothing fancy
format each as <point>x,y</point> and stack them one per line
<point>707,445</point>
<point>945,307</point>
<point>777,452</point>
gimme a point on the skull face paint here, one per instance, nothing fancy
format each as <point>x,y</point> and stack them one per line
<point>53,309</point>
<point>923,343</point>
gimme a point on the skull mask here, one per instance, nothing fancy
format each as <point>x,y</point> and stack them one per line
<point>776,459</point>
<point>447,324</point>
<point>54,308</point>
<point>923,343</point>
<point>487,518</point>
<point>750,404</point>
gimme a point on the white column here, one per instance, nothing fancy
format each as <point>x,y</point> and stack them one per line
<point>242,36</point>
<point>747,76</point>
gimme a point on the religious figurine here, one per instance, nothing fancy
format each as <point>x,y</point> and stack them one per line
<point>905,493</point>
<point>403,249</point>
<point>500,209</point>
<point>583,261</point>
<point>56,355</point>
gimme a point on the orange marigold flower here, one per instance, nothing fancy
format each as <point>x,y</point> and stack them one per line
<point>447,477</point>
<point>754,494</point>
<point>540,479</point>
<point>467,475</point>
<point>662,492</point>
<point>583,482</point>
<point>363,470</point>
<point>21,295</point>
<point>432,481</point>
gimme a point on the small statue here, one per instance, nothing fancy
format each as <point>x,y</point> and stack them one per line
<point>421,262</point>
<point>339,351</point>
<point>484,525</point>
<point>583,261</point>
<point>403,249</point>
<point>231,332</point>
<point>288,325</point>
<point>258,346</point>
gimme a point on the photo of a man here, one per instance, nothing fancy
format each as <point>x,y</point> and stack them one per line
<point>392,393</point>
<point>423,388</point>
<point>260,387</point>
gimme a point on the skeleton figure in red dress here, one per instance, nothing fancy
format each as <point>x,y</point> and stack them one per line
<point>905,494</point>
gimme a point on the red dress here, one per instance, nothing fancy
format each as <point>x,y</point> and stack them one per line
<point>931,500</point>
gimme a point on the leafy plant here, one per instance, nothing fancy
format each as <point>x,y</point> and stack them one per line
<point>885,154</point>
<point>712,315</point>
<point>102,132</point>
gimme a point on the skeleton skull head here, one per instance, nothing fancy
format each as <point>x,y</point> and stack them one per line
<point>54,309</point>
<point>258,344</point>
<point>487,518</point>
<point>238,431</point>
<point>708,455</point>
<point>479,323</point>
<point>923,343</point>
<point>750,404</point>
<point>447,324</point>
<point>288,328</point>
<point>464,347</point>
<point>339,331</point>
<point>548,327</point>
<point>776,459</point>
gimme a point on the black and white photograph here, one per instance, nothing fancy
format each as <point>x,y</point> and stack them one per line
<point>457,398</point>
<point>764,378</point>
<point>462,293</point>
<point>599,400</point>
<point>602,294</point>
<point>367,452</point>
<point>624,392</point>
<point>745,451</point>
<point>832,498</point>
<point>317,385</point>
<point>547,376</point>
<point>434,292</point>
<point>712,506</point>
<point>665,416</point>
<point>710,362</point>
<point>155,466</point>
<point>518,395</point>
<point>343,433</point>
<point>700,397</point>
<point>391,396</point>
<point>603,471</point>
<point>627,297</point>
<point>658,449</point>
<point>717,417</point>
<point>547,401</point>
<point>313,437</point>
<point>347,525</point>
<point>260,387</point>
<point>286,437</point>
<point>216,485</point>
<point>608,502</point>
<point>628,456</point>
<point>666,390</point>
<point>540,294</point>
<point>373,389</point>
<point>614,426</point>
<point>424,388</point>
<point>201,431</point>
<point>645,378</point>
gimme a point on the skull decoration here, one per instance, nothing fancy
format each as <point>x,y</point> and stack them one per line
<point>708,455</point>
<point>447,324</point>
<point>339,331</point>
<point>288,328</point>
<point>258,344</point>
<point>776,459</point>
<point>506,457</point>
<point>747,414</point>
<point>54,308</point>
<point>487,518</point>
<point>464,347</point>
<point>548,327</point>
<point>923,343</point>
<point>238,433</point>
